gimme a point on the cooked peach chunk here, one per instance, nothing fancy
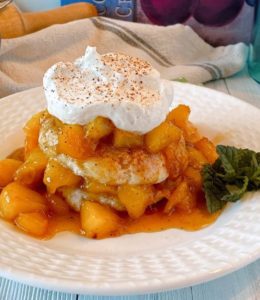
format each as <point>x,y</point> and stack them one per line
<point>161,136</point>
<point>95,187</point>
<point>207,148</point>
<point>191,133</point>
<point>8,168</point>
<point>188,203</point>
<point>31,130</point>
<point>58,205</point>
<point>127,139</point>
<point>98,221</point>
<point>135,198</point>
<point>17,154</point>
<point>31,171</point>
<point>56,176</point>
<point>179,115</point>
<point>161,194</point>
<point>177,158</point>
<point>16,198</point>
<point>35,223</point>
<point>98,128</point>
<point>73,143</point>
<point>181,198</point>
<point>196,158</point>
<point>193,177</point>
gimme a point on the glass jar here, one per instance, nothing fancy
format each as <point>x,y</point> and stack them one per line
<point>254,57</point>
<point>36,5</point>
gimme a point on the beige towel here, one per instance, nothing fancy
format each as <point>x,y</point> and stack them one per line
<point>176,51</point>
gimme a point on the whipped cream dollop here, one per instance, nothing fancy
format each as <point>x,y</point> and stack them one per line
<point>125,89</point>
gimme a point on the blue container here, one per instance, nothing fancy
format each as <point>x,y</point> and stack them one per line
<point>117,9</point>
<point>254,58</point>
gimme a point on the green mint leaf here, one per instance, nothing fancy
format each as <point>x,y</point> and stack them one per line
<point>229,158</point>
<point>255,170</point>
<point>237,193</point>
<point>214,189</point>
<point>235,172</point>
<point>247,164</point>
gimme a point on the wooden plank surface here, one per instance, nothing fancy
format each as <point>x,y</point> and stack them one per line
<point>11,290</point>
<point>240,285</point>
<point>240,86</point>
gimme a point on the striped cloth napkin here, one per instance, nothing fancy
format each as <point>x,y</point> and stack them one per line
<point>176,51</point>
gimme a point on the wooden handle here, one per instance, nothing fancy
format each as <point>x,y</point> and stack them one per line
<point>11,23</point>
<point>14,23</point>
<point>36,21</point>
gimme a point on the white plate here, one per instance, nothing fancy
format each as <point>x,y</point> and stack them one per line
<point>145,262</point>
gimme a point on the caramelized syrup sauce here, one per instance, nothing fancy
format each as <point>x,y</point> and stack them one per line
<point>156,221</point>
<point>153,220</point>
<point>149,222</point>
<point>197,219</point>
<point>69,222</point>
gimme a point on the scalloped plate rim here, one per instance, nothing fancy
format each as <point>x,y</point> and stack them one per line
<point>117,288</point>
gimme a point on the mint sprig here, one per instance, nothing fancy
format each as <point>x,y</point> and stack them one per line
<point>235,172</point>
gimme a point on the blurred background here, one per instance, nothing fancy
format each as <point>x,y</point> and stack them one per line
<point>219,22</point>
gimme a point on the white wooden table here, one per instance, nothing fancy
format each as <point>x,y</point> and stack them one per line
<point>241,285</point>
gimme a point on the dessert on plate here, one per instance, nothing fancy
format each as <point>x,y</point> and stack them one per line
<point>110,155</point>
